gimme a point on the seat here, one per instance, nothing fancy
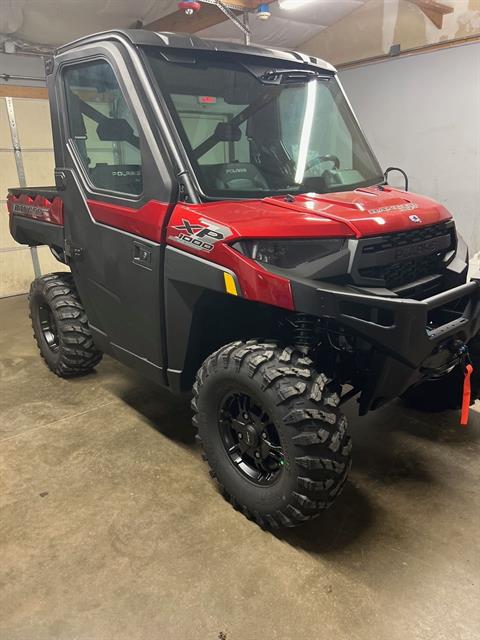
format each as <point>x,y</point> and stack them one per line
<point>124,178</point>
<point>236,176</point>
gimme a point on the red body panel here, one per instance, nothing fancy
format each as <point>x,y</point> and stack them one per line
<point>364,212</point>
<point>256,283</point>
<point>38,208</point>
<point>147,222</point>
<point>208,229</point>
<point>372,211</point>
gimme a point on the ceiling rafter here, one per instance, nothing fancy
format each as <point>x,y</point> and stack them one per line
<point>434,10</point>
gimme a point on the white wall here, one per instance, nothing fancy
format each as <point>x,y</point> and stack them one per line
<point>422,113</point>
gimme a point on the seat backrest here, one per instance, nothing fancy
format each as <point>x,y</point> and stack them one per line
<point>238,176</point>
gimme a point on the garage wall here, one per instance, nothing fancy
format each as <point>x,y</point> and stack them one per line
<point>422,113</point>
<point>35,147</point>
<point>376,26</point>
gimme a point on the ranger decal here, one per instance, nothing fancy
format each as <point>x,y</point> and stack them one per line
<point>410,206</point>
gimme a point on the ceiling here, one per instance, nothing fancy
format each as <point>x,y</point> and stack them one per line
<point>291,28</point>
<point>54,22</point>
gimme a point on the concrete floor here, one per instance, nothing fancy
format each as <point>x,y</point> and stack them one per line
<point>111,529</point>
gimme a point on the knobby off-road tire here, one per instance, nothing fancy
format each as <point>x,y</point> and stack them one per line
<point>60,326</point>
<point>302,406</point>
<point>446,392</point>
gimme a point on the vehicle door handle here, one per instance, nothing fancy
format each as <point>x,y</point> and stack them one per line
<point>142,255</point>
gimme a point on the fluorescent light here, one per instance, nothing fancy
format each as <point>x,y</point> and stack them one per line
<point>293,4</point>
<point>306,131</point>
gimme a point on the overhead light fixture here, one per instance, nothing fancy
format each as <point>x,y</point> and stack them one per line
<point>263,12</point>
<point>293,4</point>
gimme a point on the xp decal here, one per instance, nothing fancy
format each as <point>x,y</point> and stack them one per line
<point>202,234</point>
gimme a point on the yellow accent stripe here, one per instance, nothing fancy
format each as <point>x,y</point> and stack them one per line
<point>230,285</point>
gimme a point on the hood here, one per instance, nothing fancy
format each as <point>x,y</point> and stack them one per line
<point>371,211</point>
<point>365,212</point>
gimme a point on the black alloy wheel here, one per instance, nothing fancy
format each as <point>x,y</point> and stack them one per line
<point>48,326</point>
<point>272,432</point>
<point>60,326</point>
<point>250,438</point>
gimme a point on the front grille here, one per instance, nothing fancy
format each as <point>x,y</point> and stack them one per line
<point>400,273</point>
<point>403,238</point>
<point>390,260</point>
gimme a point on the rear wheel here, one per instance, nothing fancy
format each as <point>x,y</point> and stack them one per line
<point>271,431</point>
<point>60,326</point>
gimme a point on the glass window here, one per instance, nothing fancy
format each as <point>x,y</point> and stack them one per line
<point>103,128</point>
<point>250,135</point>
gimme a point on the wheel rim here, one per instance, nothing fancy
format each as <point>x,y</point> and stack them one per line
<point>250,439</point>
<point>48,326</point>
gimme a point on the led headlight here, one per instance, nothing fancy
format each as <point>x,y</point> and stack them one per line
<point>289,254</point>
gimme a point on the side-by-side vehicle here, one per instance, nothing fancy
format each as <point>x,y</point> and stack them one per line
<point>230,233</point>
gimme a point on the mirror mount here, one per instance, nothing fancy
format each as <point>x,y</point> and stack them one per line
<point>390,169</point>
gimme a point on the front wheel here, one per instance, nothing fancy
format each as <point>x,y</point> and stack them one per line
<point>271,431</point>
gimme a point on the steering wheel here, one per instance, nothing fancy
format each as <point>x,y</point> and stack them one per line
<point>329,157</point>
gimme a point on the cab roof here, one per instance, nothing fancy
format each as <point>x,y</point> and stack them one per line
<point>187,41</point>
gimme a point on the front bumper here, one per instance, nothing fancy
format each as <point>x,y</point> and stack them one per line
<point>412,339</point>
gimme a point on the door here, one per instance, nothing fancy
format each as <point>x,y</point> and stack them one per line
<point>117,201</point>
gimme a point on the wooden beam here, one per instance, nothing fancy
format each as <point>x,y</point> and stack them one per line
<point>415,51</point>
<point>433,10</point>
<point>15,91</point>
<point>208,16</point>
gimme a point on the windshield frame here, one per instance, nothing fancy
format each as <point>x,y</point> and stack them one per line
<point>194,177</point>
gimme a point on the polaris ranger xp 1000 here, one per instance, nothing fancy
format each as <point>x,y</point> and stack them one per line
<point>229,231</point>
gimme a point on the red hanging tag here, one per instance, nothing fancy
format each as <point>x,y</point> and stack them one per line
<point>466,395</point>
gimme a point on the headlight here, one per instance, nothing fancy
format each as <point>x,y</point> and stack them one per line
<point>289,254</point>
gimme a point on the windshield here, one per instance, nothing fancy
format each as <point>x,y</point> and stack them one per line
<point>249,132</point>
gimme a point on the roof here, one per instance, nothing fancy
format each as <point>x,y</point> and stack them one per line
<point>188,41</point>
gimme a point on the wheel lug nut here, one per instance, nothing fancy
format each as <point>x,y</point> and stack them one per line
<point>264,435</point>
<point>240,436</point>
<point>257,454</point>
<point>245,416</point>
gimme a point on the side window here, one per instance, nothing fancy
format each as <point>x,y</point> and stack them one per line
<point>103,128</point>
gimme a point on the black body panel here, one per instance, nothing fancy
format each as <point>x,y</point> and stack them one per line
<point>46,192</point>
<point>412,338</point>
<point>187,279</point>
<point>36,232</point>
<point>122,298</point>
<point>191,42</point>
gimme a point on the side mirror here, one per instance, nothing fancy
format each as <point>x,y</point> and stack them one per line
<point>115,130</point>
<point>225,132</point>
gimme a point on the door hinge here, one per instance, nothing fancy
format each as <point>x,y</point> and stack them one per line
<point>72,251</point>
